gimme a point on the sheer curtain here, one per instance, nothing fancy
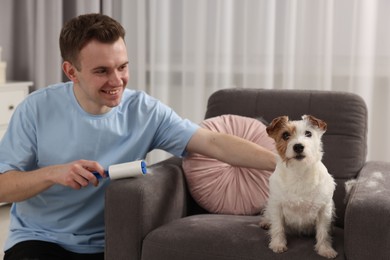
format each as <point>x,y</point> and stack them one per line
<point>29,37</point>
<point>183,50</point>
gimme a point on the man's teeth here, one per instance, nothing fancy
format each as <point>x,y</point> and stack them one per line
<point>111,92</point>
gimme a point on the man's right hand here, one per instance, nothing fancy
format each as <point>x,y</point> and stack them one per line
<point>19,185</point>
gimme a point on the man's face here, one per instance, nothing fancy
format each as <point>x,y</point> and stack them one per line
<point>101,76</point>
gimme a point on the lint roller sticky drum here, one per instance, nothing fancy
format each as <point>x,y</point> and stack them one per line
<point>125,170</point>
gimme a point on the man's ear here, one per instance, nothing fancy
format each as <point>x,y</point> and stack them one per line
<point>70,71</point>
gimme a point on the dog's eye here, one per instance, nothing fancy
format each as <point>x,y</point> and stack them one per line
<point>308,134</point>
<point>286,136</point>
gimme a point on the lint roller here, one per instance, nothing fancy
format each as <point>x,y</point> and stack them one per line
<point>125,170</point>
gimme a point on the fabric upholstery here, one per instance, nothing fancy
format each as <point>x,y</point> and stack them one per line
<point>137,205</point>
<point>368,214</point>
<point>223,237</point>
<point>221,188</point>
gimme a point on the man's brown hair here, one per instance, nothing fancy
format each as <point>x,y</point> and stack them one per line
<point>78,31</point>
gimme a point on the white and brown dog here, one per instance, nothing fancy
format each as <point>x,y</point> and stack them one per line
<point>301,189</point>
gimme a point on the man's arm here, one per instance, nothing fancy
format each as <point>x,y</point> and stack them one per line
<point>231,149</point>
<point>18,185</point>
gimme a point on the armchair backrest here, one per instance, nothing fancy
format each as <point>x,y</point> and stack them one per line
<point>344,143</point>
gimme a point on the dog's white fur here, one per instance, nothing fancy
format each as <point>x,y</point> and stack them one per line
<point>301,189</point>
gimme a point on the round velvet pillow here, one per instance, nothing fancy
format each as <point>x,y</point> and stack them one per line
<point>221,188</point>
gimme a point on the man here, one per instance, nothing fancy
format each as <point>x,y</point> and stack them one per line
<point>61,134</point>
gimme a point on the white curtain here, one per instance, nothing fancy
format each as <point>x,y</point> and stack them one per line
<point>183,50</point>
<point>29,37</point>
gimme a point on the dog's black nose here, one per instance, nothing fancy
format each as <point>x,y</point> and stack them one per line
<point>298,148</point>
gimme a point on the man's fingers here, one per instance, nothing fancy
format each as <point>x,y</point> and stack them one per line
<point>81,174</point>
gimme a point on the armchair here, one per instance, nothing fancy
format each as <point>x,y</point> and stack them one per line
<point>154,217</point>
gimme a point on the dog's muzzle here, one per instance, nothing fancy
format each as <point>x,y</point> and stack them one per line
<point>298,149</point>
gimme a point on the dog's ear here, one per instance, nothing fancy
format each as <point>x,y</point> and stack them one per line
<point>276,124</point>
<point>316,122</point>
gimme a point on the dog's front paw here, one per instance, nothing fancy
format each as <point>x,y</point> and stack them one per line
<point>326,251</point>
<point>264,223</point>
<point>278,247</point>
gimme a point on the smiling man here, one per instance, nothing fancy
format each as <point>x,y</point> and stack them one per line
<point>61,134</point>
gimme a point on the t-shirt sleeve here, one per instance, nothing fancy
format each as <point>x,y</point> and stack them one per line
<point>18,145</point>
<point>174,132</point>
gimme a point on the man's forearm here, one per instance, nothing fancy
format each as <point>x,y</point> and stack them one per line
<point>232,150</point>
<point>18,186</point>
<point>243,153</point>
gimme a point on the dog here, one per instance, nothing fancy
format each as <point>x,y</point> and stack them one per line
<point>301,189</point>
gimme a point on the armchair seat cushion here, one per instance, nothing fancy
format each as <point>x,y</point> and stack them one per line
<point>225,237</point>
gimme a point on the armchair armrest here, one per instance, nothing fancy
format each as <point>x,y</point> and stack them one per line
<point>367,230</point>
<point>134,207</point>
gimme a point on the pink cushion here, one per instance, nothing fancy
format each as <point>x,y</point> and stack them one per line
<point>221,188</point>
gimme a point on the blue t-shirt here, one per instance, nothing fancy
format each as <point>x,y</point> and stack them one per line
<point>49,127</point>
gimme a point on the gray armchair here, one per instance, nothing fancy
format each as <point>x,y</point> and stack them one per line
<point>155,218</point>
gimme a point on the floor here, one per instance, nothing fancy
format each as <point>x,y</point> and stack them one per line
<point>4,223</point>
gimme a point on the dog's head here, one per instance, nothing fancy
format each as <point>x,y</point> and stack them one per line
<point>298,141</point>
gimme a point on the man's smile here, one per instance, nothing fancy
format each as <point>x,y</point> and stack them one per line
<point>111,91</point>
